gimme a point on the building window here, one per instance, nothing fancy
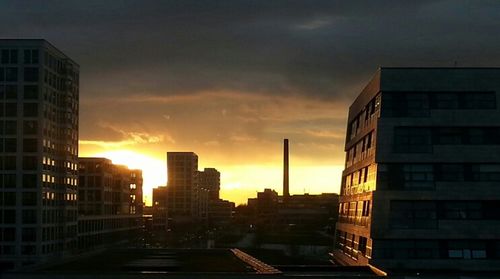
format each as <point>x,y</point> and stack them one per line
<point>448,135</point>
<point>463,210</point>
<point>28,234</point>
<point>444,100</point>
<point>418,176</point>
<point>466,249</point>
<point>450,172</point>
<point>478,100</point>
<point>413,215</point>
<point>29,198</point>
<point>9,180</point>
<point>412,140</point>
<point>30,92</point>
<point>30,145</point>
<point>29,180</point>
<point>9,163</point>
<point>11,92</point>
<point>486,172</point>
<point>29,216</point>
<point>30,109</point>
<point>10,145</point>
<point>9,56</point>
<point>30,127</point>
<point>11,74</point>
<point>30,163</point>
<point>31,74</point>
<point>31,56</point>
<point>11,109</point>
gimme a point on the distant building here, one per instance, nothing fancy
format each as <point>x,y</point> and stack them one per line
<point>39,88</point>
<point>159,208</point>
<point>220,212</point>
<point>136,196</point>
<point>182,185</point>
<point>107,205</point>
<point>306,212</point>
<point>420,185</point>
<point>209,179</point>
<point>302,212</point>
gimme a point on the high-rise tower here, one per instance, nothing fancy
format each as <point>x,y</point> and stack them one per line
<point>39,161</point>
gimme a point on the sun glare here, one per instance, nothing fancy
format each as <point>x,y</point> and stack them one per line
<point>154,171</point>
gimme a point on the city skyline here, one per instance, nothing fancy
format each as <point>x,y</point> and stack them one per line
<point>261,72</point>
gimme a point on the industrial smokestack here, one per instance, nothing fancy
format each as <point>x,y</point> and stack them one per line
<point>286,190</point>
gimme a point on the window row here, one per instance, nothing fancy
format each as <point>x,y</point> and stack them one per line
<point>27,198</point>
<point>10,56</point>
<point>353,245</point>
<point>10,110</point>
<point>11,74</point>
<point>425,214</point>
<point>28,216</point>
<point>356,212</point>
<point>424,176</point>
<point>10,92</point>
<point>10,145</point>
<point>361,149</point>
<point>9,181</point>
<point>419,104</point>
<point>436,249</point>
<point>422,139</point>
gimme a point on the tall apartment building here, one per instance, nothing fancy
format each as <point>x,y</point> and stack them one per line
<point>39,144</point>
<point>182,185</point>
<point>209,179</point>
<point>108,209</point>
<point>136,194</point>
<point>420,185</point>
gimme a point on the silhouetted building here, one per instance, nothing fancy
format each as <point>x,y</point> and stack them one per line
<point>220,212</point>
<point>107,203</point>
<point>39,119</point>
<point>182,185</point>
<point>309,212</point>
<point>159,208</point>
<point>136,196</point>
<point>302,212</point>
<point>420,185</point>
<point>209,179</point>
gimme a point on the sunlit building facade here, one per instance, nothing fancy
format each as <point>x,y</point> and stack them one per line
<point>39,93</point>
<point>420,185</point>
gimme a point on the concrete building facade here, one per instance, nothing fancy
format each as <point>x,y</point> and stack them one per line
<point>420,185</point>
<point>39,95</point>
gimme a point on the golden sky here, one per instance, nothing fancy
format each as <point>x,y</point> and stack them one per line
<point>240,134</point>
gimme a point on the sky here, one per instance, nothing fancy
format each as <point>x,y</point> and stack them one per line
<point>229,80</point>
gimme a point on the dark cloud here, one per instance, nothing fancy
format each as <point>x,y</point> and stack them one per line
<point>315,48</point>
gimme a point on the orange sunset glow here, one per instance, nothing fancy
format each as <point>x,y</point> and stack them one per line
<point>238,133</point>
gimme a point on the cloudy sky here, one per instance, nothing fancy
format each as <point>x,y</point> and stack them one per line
<point>230,79</point>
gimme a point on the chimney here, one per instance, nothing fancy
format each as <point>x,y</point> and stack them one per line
<point>286,190</point>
